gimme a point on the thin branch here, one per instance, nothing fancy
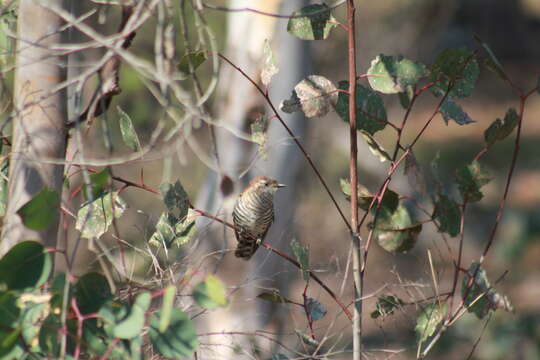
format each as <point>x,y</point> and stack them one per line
<point>260,12</point>
<point>293,137</point>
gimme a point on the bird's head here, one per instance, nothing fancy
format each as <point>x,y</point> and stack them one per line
<point>264,183</point>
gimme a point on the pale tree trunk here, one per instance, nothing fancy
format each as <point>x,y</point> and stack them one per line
<point>238,101</point>
<point>39,134</point>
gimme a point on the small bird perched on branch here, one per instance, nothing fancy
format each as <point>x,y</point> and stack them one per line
<point>253,214</point>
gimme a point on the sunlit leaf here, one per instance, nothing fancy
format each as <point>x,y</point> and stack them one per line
<point>500,129</point>
<point>211,293</point>
<point>166,307</point>
<point>470,179</point>
<point>364,196</point>
<point>41,211</point>
<point>172,231</point>
<point>131,326</point>
<point>392,74</point>
<point>94,218</point>
<point>315,25</point>
<point>375,148</point>
<point>397,232</point>
<point>429,319</point>
<point>315,96</point>
<point>448,213</point>
<point>455,68</point>
<point>301,254</point>
<point>451,110</point>
<point>370,111</point>
<point>269,64</point>
<point>129,135</point>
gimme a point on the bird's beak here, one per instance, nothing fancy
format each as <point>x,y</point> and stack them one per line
<point>281,185</point>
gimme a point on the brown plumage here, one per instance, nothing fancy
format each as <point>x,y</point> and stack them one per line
<point>253,214</point>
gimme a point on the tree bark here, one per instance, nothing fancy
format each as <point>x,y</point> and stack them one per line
<point>39,132</point>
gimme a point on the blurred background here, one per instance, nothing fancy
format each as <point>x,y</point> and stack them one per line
<point>418,30</point>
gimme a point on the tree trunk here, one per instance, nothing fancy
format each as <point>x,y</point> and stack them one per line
<point>39,133</point>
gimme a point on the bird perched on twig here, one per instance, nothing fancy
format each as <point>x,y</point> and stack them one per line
<point>253,214</point>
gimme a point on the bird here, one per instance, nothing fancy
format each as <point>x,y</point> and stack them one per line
<point>253,214</point>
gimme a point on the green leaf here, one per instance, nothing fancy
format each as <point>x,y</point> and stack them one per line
<point>166,307</point>
<point>50,332</point>
<point>397,232</point>
<point>306,339</point>
<point>100,183</point>
<point>470,179</point>
<point>110,314</point>
<point>180,338</point>
<point>389,204</point>
<point>10,345</point>
<point>9,311</point>
<point>392,74</point>
<point>258,133</point>
<point>211,293</point>
<point>131,326</point>
<point>364,196</point>
<point>406,96</point>
<point>129,135</point>
<point>41,211</point>
<point>269,64</point>
<point>492,63</point>
<point>275,297</point>
<point>191,61</point>
<point>10,330</point>
<point>32,316</point>
<point>386,305</point>
<point>301,254</point>
<point>312,27</point>
<point>315,96</point>
<point>375,148</point>
<point>314,309</point>
<point>98,342</point>
<point>429,319</point>
<point>450,110</point>
<point>3,188</point>
<point>91,292</point>
<point>26,265</point>
<point>94,218</point>
<point>478,296</point>
<point>500,129</point>
<point>456,67</point>
<point>172,231</point>
<point>175,198</point>
<point>58,287</point>
<point>449,215</point>
<point>370,111</point>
